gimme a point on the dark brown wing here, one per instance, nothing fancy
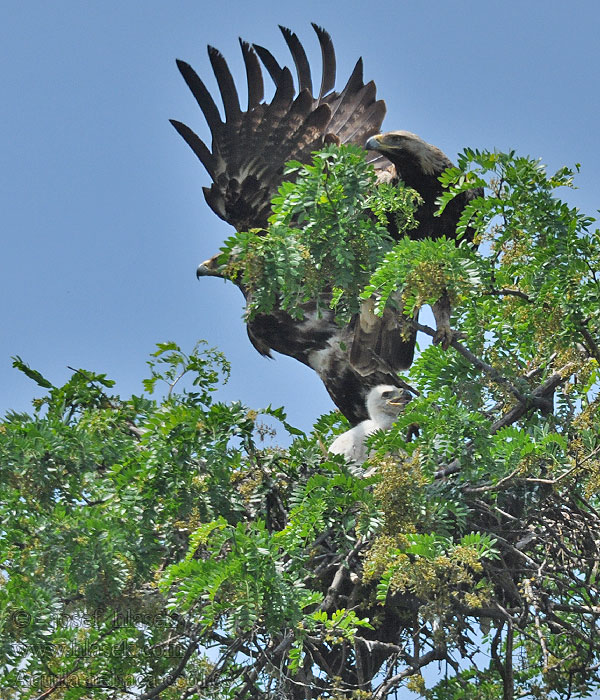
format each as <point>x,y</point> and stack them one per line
<point>250,148</point>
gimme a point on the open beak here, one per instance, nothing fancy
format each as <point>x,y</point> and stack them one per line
<point>400,400</point>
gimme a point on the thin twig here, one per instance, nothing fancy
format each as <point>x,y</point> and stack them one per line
<point>487,369</point>
<point>436,654</point>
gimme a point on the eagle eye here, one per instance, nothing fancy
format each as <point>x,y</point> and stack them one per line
<point>386,394</point>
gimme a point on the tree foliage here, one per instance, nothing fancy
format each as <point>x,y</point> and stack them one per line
<point>156,547</point>
<point>327,233</point>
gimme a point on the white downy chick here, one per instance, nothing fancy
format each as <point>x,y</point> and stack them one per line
<point>384,403</point>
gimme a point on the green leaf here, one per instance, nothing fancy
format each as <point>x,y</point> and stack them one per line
<point>38,378</point>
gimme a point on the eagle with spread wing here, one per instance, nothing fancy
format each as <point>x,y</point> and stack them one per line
<point>246,162</point>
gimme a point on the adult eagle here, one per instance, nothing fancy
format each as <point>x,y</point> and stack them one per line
<point>246,161</point>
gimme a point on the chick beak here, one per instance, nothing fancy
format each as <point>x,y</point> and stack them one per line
<point>399,400</point>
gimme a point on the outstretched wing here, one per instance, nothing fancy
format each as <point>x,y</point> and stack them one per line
<point>250,148</point>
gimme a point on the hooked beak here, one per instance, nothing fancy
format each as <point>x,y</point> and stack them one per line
<point>209,268</point>
<point>373,143</point>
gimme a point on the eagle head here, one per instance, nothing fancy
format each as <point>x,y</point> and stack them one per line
<point>408,151</point>
<point>385,402</point>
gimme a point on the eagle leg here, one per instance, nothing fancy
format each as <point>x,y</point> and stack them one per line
<point>442,312</point>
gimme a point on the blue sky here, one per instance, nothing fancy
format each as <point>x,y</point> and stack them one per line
<point>103,218</point>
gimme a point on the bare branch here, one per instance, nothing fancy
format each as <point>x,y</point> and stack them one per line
<point>436,654</point>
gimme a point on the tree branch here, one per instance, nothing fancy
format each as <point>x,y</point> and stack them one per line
<point>510,292</point>
<point>174,675</point>
<point>253,673</point>
<point>538,394</point>
<point>488,370</point>
<point>436,654</point>
<point>509,678</point>
<point>592,346</point>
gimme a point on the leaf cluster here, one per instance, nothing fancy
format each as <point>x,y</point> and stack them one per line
<point>134,531</point>
<point>326,235</point>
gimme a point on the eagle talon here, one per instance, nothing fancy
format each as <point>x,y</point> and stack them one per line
<point>444,337</point>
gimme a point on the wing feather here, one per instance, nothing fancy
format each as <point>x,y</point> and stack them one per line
<point>256,88</point>
<point>269,61</point>
<point>227,88</point>
<point>202,95</point>
<point>328,60</point>
<point>197,145</point>
<point>300,59</point>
